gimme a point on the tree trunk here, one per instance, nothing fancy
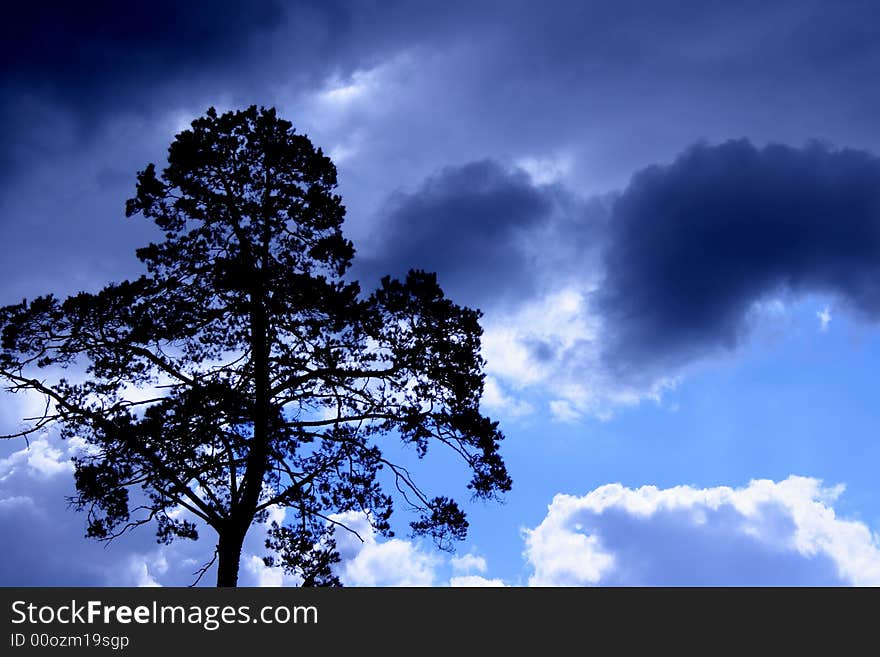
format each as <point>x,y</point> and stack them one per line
<point>229,557</point>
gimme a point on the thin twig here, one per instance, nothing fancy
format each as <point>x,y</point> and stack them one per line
<point>201,571</point>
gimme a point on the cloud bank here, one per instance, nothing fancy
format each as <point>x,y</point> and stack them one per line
<point>492,232</point>
<point>765,534</point>
<point>611,299</point>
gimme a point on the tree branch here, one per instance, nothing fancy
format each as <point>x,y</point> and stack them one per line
<point>207,513</point>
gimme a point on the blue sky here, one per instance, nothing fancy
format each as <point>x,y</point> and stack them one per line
<point>671,220</point>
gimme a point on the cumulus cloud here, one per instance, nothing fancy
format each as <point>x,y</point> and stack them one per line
<point>468,564</point>
<point>495,400</point>
<point>766,533</point>
<point>260,574</point>
<point>49,547</point>
<point>143,570</point>
<point>603,302</point>
<point>694,245</point>
<point>366,561</point>
<point>549,348</point>
<point>40,459</point>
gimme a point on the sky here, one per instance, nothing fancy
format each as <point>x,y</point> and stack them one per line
<point>668,214</point>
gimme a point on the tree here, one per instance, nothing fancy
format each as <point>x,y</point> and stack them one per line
<point>243,371</point>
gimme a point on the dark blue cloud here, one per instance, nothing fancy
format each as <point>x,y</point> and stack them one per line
<point>67,68</point>
<point>75,51</point>
<point>472,224</point>
<point>693,245</point>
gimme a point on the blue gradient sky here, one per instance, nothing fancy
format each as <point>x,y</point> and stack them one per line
<point>670,217</point>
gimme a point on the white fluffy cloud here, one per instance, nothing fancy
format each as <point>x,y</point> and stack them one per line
<point>143,569</point>
<point>261,575</point>
<point>365,561</point>
<point>468,563</point>
<point>39,458</point>
<point>495,400</point>
<point>766,533</point>
<point>50,549</point>
<point>549,347</point>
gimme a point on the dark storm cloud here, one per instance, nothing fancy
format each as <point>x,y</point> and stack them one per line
<point>99,57</point>
<point>472,224</point>
<point>80,52</point>
<point>491,77</point>
<point>693,245</point>
<point>86,90</point>
<point>67,67</point>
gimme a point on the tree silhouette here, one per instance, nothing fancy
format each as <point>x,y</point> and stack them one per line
<point>243,372</point>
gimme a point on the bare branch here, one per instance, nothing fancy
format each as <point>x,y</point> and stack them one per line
<point>205,568</point>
